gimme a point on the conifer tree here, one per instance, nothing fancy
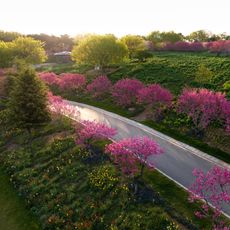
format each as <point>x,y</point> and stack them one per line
<point>28,101</point>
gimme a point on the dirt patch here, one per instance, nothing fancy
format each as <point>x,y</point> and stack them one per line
<point>2,85</point>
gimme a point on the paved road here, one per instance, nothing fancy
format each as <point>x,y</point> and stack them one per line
<point>178,160</point>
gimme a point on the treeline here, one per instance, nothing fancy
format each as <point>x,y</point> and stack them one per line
<point>169,40</point>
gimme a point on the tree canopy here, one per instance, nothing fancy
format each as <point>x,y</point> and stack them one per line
<point>99,50</point>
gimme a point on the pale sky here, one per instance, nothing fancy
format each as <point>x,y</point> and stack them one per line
<point>119,17</point>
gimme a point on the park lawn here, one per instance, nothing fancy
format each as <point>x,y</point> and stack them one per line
<point>13,212</point>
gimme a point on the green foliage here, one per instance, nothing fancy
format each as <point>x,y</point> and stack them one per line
<point>203,75</point>
<point>157,37</point>
<point>199,36</point>
<point>135,44</point>
<point>6,54</point>
<point>13,213</point>
<point>152,219</point>
<point>227,88</point>
<point>28,101</point>
<point>103,178</point>
<point>99,50</point>
<point>26,48</point>
<point>29,49</point>
<point>176,70</point>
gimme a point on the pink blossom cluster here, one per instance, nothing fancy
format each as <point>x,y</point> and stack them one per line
<point>125,91</point>
<point>221,46</point>
<point>155,95</point>
<point>184,46</point>
<point>203,106</point>
<point>72,81</point>
<point>49,78</point>
<point>212,186</point>
<point>60,106</point>
<point>99,86</point>
<point>131,151</point>
<point>64,81</point>
<point>92,131</point>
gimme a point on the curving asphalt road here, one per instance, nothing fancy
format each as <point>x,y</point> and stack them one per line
<point>178,160</point>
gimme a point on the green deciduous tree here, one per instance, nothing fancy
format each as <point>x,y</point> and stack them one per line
<point>99,50</point>
<point>28,101</point>
<point>29,49</point>
<point>135,44</point>
<point>199,36</point>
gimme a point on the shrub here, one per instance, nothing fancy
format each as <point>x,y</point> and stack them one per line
<point>155,96</point>
<point>202,105</point>
<point>72,81</point>
<point>99,86</point>
<point>49,78</point>
<point>125,91</point>
<point>203,74</point>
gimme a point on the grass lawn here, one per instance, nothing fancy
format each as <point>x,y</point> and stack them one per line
<point>13,212</point>
<point>65,191</point>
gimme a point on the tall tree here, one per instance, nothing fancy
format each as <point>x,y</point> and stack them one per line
<point>28,103</point>
<point>99,50</point>
<point>29,49</point>
<point>134,43</point>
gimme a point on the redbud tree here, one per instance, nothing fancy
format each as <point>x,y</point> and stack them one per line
<point>202,106</point>
<point>155,96</point>
<point>93,131</point>
<point>72,81</point>
<point>49,78</point>
<point>59,106</point>
<point>125,91</point>
<point>131,152</point>
<point>211,187</point>
<point>99,86</point>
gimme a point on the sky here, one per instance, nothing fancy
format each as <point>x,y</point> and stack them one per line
<point>119,17</point>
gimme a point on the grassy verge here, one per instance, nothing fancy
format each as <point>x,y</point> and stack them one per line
<point>13,212</point>
<point>190,141</point>
<point>65,191</point>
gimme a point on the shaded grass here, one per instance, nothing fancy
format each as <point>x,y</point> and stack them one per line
<point>190,141</point>
<point>13,212</point>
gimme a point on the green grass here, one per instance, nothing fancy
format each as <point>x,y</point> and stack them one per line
<point>51,176</point>
<point>13,213</point>
<point>196,143</point>
<point>176,70</point>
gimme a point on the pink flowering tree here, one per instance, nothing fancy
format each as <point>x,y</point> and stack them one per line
<point>59,106</point>
<point>93,131</point>
<point>155,96</point>
<point>211,187</point>
<point>225,108</point>
<point>99,86</point>
<point>49,78</point>
<point>72,81</point>
<point>131,152</point>
<point>125,91</point>
<point>202,106</point>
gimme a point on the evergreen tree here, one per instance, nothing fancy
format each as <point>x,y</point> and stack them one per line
<point>28,101</point>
